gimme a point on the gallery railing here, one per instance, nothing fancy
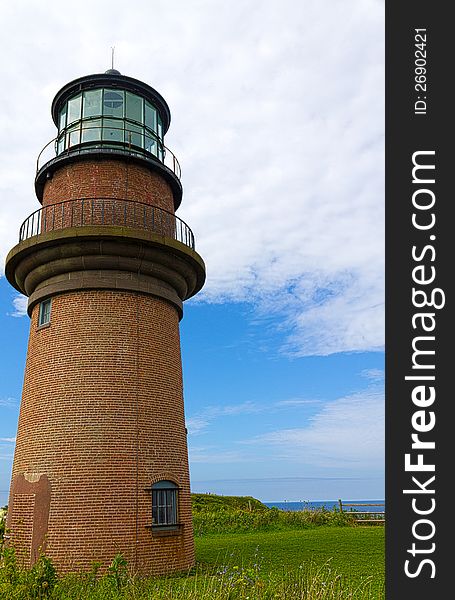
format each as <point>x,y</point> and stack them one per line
<point>86,137</point>
<point>82,212</point>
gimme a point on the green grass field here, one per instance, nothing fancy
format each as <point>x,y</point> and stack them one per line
<point>356,553</point>
<point>244,551</point>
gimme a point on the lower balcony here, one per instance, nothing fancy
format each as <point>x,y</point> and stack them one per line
<point>82,212</point>
<point>105,243</point>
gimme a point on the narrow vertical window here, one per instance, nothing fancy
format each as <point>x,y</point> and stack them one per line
<point>74,109</point>
<point>92,104</point>
<point>150,116</point>
<point>134,107</point>
<point>164,503</point>
<point>44,316</point>
<point>62,119</point>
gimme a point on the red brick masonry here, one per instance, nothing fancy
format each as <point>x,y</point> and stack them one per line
<point>108,178</point>
<point>101,419</point>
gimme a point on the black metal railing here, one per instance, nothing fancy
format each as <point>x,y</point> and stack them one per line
<point>82,212</point>
<point>130,141</point>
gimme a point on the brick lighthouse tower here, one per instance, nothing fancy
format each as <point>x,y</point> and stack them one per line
<point>101,461</point>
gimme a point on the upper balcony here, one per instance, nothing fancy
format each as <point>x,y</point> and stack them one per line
<point>115,134</point>
<point>97,137</point>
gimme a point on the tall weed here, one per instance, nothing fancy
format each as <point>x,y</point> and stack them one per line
<point>231,580</point>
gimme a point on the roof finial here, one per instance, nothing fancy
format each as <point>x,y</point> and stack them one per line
<point>112,71</point>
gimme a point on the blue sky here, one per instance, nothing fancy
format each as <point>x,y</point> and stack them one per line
<point>278,422</point>
<point>277,121</point>
<point>260,422</point>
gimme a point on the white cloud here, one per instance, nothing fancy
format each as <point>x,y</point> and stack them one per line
<point>20,306</point>
<point>6,447</point>
<point>277,123</point>
<point>329,314</point>
<point>199,423</point>
<point>212,455</point>
<point>294,402</point>
<point>347,433</point>
<point>375,375</point>
<point>9,402</point>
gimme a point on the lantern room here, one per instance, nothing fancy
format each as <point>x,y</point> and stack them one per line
<point>110,114</point>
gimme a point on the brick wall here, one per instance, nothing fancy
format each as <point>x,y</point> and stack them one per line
<point>102,417</point>
<point>108,178</point>
<point>21,524</point>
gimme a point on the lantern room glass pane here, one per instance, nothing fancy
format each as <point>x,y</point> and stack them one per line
<point>74,109</point>
<point>113,130</point>
<point>160,128</point>
<point>134,134</point>
<point>150,116</point>
<point>134,107</point>
<point>113,102</point>
<point>160,150</point>
<point>73,135</point>
<point>62,119</point>
<point>150,144</point>
<point>92,103</point>
<point>61,144</point>
<point>91,130</point>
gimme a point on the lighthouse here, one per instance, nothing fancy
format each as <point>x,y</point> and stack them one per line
<point>101,460</point>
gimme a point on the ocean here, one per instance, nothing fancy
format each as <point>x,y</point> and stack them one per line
<point>328,504</point>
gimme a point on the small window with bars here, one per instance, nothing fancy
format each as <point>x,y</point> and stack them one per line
<point>44,315</point>
<point>164,504</point>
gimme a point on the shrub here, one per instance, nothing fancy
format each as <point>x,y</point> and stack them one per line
<point>3,511</point>
<point>37,582</point>
<point>228,520</point>
<point>9,572</point>
<point>42,578</point>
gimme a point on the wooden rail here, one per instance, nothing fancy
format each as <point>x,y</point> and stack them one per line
<point>378,515</point>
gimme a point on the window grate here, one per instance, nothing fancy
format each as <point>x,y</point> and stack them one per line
<point>164,503</point>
